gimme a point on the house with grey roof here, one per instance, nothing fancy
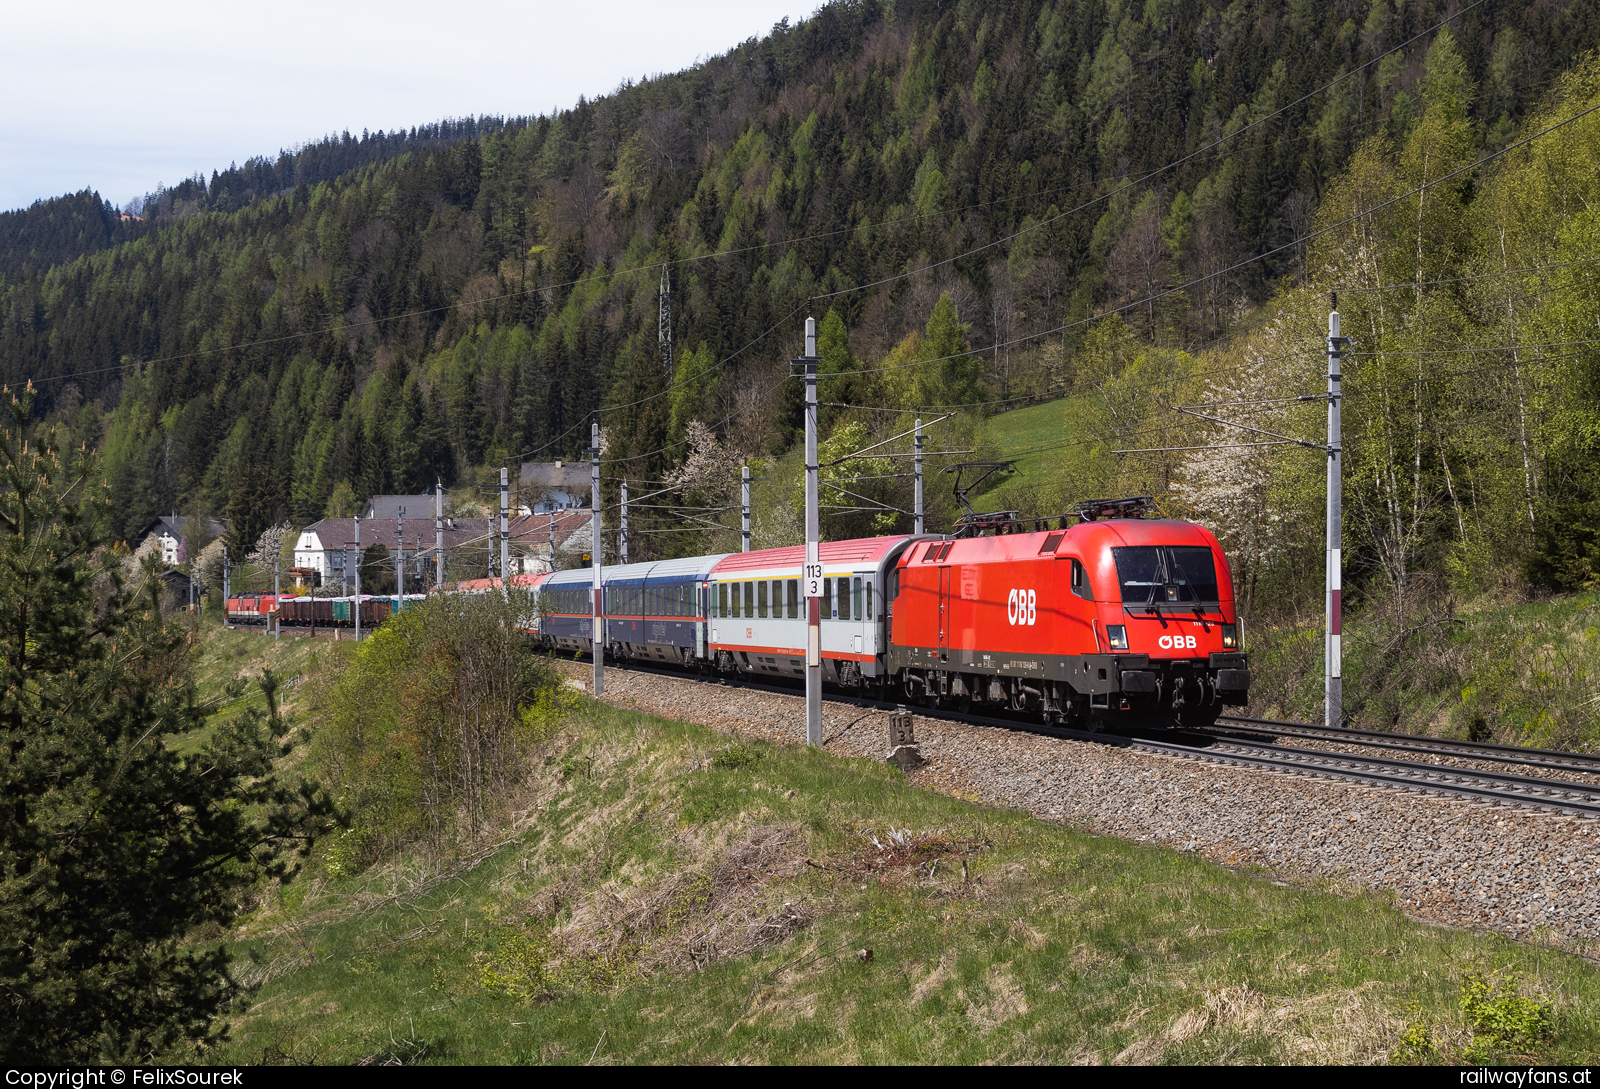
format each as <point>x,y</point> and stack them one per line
<point>173,534</point>
<point>554,485</point>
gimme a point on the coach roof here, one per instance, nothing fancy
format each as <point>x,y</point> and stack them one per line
<point>832,553</point>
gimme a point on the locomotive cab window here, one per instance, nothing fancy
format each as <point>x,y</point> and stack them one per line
<point>1166,574</point>
<point>1080,581</point>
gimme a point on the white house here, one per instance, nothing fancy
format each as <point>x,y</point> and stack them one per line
<point>173,534</point>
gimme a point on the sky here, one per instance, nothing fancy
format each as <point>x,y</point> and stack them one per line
<point>120,97</point>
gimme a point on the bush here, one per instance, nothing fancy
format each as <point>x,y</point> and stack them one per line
<point>1500,1017</point>
<point>427,730</point>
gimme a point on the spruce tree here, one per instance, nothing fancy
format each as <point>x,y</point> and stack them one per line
<point>114,849</point>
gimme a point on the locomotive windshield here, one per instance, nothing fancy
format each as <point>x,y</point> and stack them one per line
<point>1166,574</point>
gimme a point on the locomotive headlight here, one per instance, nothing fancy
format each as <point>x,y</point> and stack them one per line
<point>1230,636</point>
<point>1117,634</point>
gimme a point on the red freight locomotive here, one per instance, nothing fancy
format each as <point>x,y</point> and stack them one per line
<point>1122,620</point>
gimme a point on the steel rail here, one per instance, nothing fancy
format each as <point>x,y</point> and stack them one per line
<point>1415,769</point>
<point>1554,759</point>
<point>1372,778</point>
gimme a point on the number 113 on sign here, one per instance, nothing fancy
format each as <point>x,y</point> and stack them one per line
<point>813,579</point>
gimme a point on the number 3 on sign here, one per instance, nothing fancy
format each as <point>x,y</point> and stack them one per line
<point>813,578</point>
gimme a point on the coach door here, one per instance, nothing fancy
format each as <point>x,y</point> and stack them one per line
<point>944,614</point>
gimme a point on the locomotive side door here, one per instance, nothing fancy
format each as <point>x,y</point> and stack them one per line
<point>944,614</point>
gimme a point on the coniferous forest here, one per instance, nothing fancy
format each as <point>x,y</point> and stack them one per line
<point>983,204</point>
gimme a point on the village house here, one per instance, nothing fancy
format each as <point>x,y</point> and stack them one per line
<point>172,534</point>
<point>553,485</point>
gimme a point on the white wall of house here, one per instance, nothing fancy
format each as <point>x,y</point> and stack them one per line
<point>310,552</point>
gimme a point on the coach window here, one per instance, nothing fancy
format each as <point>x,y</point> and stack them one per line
<point>761,598</point>
<point>827,598</point>
<point>749,600</point>
<point>722,600</point>
<point>794,599</point>
<point>857,613</point>
<point>844,599</point>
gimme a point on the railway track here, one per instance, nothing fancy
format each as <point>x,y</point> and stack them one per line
<point>1550,759</point>
<point>1215,747</point>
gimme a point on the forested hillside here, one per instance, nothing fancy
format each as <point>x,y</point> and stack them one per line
<point>51,232</point>
<point>276,341</point>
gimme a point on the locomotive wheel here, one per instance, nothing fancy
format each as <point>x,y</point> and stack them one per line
<point>964,703</point>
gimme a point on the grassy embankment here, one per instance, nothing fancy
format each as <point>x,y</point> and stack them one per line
<point>667,895</point>
<point>240,654</point>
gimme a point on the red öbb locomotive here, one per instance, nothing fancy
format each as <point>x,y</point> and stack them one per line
<point>1117,619</point>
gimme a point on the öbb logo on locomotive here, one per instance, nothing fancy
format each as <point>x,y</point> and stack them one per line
<point>1022,607</point>
<point>906,617</point>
